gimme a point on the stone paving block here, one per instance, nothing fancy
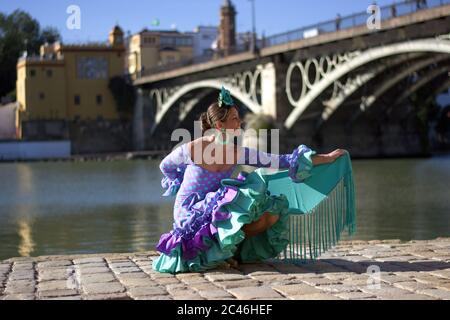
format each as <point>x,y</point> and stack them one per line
<point>203,286</point>
<point>20,283</point>
<point>167,281</point>
<point>158,275</point>
<point>54,264</point>
<point>442,285</point>
<point>5,266</point>
<point>427,278</point>
<point>18,297</point>
<point>355,295</point>
<point>249,293</point>
<point>262,273</point>
<point>142,264</point>
<point>182,276</point>
<point>386,292</point>
<point>21,275</point>
<point>193,281</point>
<point>437,293</point>
<point>270,278</point>
<point>404,274</point>
<point>225,277</point>
<point>117,260</point>
<point>306,275</point>
<point>320,281</point>
<point>64,298</point>
<point>19,290</point>
<point>147,298</point>
<point>393,278</point>
<point>335,288</point>
<point>89,260</point>
<point>112,296</point>
<point>148,270</point>
<point>98,278</point>
<point>91,265</point>
<point>133,275</point>
<point>441,273</point>
<point>412,285</point>
<point>128,264</point>
<point>339,276</point>
<point>178,291</point>
<point>214,294</point>
<point>237,284</point>
<point>53,285</point>
<point>57,293</point>
<point>19,260</point>
<point>137,282</point>
<point>84,271</point>
<point>296,289</point>
<point>56,275</point>
<point>146,291</point>
<point>103,288</point>
<point>188,297</point>
<point>23,266</point>
<point>315,296</point>
<point>126,270</point>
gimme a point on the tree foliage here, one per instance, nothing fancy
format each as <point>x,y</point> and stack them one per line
<point>19,32</point>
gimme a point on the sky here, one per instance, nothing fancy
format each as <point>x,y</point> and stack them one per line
<point>99,16</point>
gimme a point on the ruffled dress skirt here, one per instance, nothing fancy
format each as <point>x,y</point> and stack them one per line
<point>214,233</point>
<point>312,216</point>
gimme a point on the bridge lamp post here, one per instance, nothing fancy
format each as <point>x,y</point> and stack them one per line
<point>253,45</point>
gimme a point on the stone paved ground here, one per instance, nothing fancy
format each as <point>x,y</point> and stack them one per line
<point>412,270</point>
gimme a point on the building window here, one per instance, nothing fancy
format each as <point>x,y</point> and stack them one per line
<point>32,72</point>
<point>41,96</point>
<point>49,73</point>
<point>77,100</point>
<point>99,99</point>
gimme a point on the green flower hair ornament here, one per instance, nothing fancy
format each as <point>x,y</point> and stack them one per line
<point>225,98</point>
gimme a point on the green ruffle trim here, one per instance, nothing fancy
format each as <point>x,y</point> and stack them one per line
<point>251,202</point>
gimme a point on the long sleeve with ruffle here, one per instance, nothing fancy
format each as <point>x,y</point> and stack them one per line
<point>299,162</point>
<point>173,167</point>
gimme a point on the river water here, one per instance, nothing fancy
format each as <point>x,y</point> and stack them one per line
<point>52,208</point>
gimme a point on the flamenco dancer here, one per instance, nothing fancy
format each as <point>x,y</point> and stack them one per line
<point>219,220</point>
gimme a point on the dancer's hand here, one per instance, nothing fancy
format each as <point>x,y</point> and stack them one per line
<point>332,156</point>
<point>319,159</point>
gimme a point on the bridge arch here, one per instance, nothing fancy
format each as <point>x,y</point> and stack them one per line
<point>204,84</point>
<point>366,57</point>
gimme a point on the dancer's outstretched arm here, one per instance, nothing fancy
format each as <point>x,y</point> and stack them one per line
<point>173,167</point>
<point>299,162</point>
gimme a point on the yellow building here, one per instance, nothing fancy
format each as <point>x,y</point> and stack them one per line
<point>70,82</point>
<point>148,49</point>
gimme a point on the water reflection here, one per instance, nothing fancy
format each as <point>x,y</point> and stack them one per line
<point>26,244</point>
<point>65,208</point>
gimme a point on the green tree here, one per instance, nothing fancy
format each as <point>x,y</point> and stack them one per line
<point>19,32</point>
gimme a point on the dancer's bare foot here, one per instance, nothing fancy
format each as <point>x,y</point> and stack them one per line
<point>233,263</point>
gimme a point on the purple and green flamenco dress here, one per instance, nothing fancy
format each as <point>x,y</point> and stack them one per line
<point>211,208</point>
